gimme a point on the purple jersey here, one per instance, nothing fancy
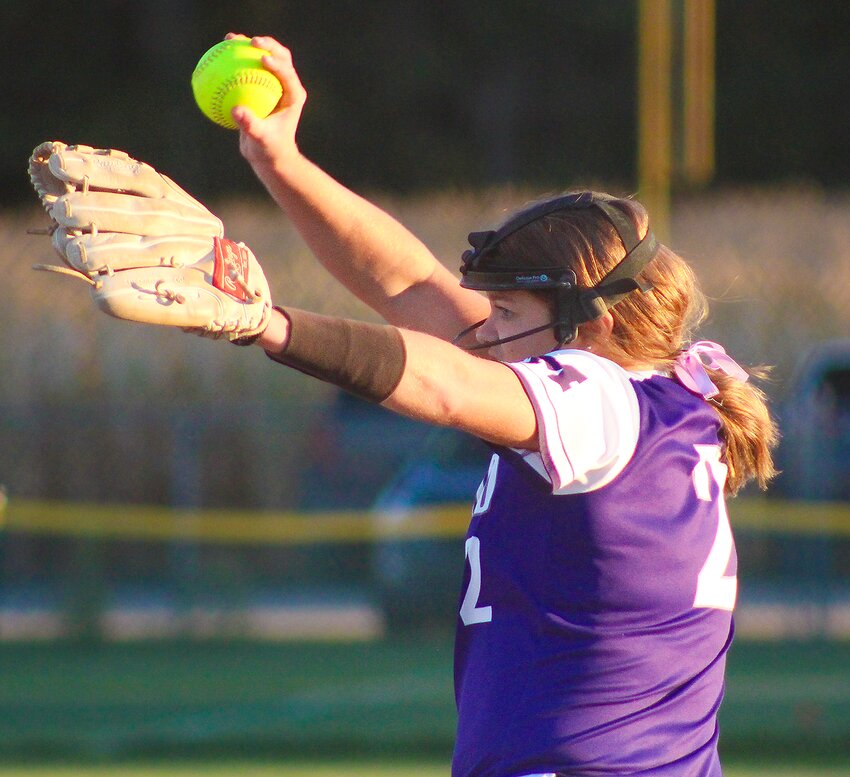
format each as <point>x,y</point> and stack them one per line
<point>596,606</point>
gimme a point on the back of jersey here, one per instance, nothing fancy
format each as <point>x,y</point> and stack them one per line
<point>594,624</point>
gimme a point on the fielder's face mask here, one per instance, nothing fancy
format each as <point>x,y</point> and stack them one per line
<point>573,305</point>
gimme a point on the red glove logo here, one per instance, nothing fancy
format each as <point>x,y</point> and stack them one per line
<point>231,261</point>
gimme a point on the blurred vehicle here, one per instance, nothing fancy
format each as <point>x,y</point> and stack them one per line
<point>814,462</point>
<point>814,453</point>
<point>363,457</point>
<point>419,579</point>
<point>356,448</point>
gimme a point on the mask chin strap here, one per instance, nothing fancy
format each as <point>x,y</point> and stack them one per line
<point>490,343</point>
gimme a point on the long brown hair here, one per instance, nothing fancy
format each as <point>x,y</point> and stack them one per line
<point>651,329</point>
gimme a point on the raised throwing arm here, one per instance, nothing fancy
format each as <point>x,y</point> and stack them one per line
<point>362,246</point>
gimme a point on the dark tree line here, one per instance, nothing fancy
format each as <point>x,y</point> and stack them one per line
<point>410,94</point>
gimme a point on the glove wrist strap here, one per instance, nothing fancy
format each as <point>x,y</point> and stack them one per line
<point>364,359</point>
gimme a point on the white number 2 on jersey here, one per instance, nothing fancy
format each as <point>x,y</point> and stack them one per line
<point>715,588</point>
<point>470,612</point>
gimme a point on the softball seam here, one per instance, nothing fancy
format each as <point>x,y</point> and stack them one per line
<point>247,77</point>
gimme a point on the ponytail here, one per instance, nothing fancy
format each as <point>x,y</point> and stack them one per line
<point>747,430</point>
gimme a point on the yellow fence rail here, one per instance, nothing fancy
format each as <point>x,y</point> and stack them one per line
<point>136,522</point>
<point>139,522</point>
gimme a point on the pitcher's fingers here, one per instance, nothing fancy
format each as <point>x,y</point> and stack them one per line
<point>280,64</point>
<point>272,45</point>
<point>279,56</point>
<point>235,36</point>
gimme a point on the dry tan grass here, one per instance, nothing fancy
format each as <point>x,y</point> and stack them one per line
<point>776,265</point>
<point>774,262</point>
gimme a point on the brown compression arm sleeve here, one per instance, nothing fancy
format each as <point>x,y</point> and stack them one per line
<point>365,359</point>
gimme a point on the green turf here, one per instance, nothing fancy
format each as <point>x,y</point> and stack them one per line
<point>350,769</point>
<point>110,699</point>
<point>787,693</point>
<point>786,770</point>
<point>243,769</point>
<point>118,702</point>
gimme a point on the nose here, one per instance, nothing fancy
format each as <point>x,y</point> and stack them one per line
<point>487,331</point>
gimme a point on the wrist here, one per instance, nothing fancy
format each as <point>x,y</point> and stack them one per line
<point>277,163</point>
<point>276,335</point>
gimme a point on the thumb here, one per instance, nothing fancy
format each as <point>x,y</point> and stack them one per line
<point>245,119</point>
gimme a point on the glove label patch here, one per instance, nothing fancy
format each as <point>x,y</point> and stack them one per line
<point>231,263</point>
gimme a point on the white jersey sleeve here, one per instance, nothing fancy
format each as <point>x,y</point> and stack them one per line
<point>588,418</point>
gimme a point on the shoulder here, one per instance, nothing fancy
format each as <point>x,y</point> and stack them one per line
<point>581,375</point>
<point>588,417</point>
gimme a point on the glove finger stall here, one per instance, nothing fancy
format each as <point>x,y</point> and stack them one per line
<point>46,185</point>
<point>107,252</point>
<point>112,170</point>
<point>113,212</point>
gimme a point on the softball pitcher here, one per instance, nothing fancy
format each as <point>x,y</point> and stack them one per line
<point>595,610</point>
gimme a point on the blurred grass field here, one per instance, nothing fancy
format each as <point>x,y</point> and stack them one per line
<point>384,707</point>
<point>242,768</point>
<point>354,769</point>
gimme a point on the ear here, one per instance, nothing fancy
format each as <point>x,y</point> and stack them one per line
<point>597,331</point>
